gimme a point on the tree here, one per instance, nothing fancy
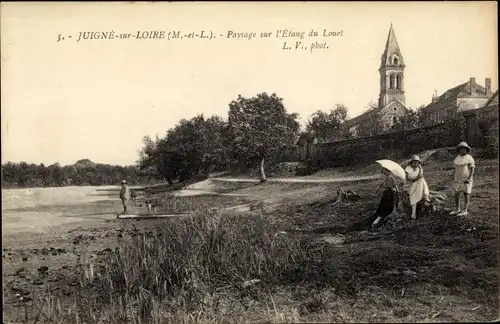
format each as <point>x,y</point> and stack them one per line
<point>328,125</point>
<point>259,127</point>
<point>193,146</point>
<point>413,119</point>
<point>148,162</point>
<point>373,125</point>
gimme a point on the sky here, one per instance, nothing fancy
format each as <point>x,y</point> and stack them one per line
<point>96,99</point>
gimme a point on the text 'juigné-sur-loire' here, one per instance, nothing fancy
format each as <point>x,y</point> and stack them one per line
<point>143,34</point>
<point>152,34</point>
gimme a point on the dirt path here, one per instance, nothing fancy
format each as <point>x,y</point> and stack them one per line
<point>301,180</point>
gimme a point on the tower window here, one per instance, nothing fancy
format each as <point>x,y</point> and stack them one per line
<point>394,119</point>
<point>392,81</point>
<point>398,82</point>
<point>395,61</point>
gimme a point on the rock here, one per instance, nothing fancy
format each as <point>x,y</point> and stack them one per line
<point>38,282</point>
<point>25,259</point>
<point>18,272</point>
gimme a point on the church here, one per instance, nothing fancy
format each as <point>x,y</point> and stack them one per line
<point>391,101</point>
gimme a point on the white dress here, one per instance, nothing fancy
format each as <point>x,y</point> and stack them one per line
<point>419,189</point>
<point>462,166</point>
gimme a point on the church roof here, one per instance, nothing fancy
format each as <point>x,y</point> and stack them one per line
<point>361,118</point>
<point>391,48</point>
<point>368,115</point>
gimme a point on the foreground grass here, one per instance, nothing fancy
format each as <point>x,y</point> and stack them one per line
<point>185,271</point>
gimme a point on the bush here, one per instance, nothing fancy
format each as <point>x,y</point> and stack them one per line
<point>491,141</point>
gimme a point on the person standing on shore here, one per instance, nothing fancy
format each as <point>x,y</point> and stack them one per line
<point>124,195</point>
<point>463,177</point>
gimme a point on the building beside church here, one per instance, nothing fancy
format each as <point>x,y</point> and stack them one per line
<point>391,101</point>
<point>466,96</point>
<point>482,121</point>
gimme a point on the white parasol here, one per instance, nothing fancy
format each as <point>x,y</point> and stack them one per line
<point>394,167</point>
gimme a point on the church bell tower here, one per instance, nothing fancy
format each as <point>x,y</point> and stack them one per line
<point>391,72</point>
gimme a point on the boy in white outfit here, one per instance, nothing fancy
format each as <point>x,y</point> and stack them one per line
<point>463,177</point>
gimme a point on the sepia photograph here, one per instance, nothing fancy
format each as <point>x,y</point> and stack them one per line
<point>250,162</point>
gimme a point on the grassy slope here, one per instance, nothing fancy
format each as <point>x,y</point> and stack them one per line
<point>441,269</point>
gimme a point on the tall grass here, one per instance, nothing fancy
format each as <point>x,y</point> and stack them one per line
<point>190,270</point>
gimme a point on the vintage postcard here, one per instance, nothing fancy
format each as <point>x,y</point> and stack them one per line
<point>249,162</point>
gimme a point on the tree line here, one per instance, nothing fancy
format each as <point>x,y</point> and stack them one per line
<point>256,131</point>
<point>83,172</point>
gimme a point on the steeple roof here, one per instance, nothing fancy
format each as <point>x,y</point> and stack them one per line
<point>391,48</point>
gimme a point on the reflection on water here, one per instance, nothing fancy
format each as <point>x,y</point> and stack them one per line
<point>29,209</point>
<point>32,197</point>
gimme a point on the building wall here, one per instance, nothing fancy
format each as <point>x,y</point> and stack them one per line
<point>465,104</point>
<point>469,97</point>
<point>391,112</point>
<point>441,112</point>
<point>436,113</point>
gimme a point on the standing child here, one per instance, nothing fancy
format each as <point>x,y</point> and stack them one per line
<point>389,197</point>
<point>416,187</point>
<point>463,177</point>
